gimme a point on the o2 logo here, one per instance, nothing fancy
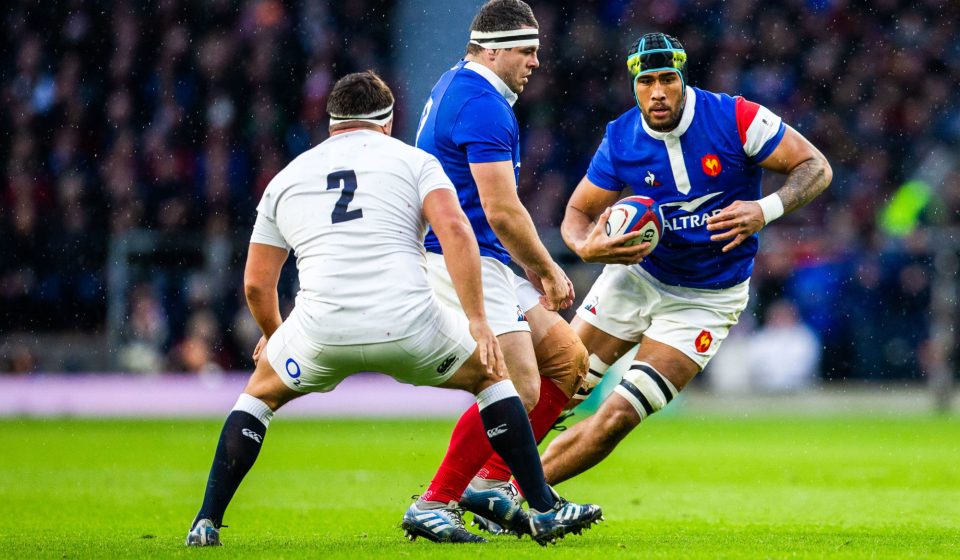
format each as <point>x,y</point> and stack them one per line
<point>294,371</point>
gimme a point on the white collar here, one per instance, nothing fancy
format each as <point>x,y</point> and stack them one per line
<point>494,80</point>
<point>690,106</point>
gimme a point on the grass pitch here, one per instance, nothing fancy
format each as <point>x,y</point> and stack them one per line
<point>679,487</point>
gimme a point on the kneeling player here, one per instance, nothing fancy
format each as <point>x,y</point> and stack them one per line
<point>354,210</point>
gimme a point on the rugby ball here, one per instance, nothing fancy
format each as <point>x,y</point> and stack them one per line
<point>636,213</point>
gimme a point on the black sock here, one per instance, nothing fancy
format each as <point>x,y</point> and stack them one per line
<point>508,429</point>
<point>237,450</point>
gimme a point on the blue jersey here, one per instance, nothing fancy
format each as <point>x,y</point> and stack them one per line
<point>468,119</point>
<point>705,164</point>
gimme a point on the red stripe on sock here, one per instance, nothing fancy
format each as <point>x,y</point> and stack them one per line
<point>548,409</point>
<point>469,449</point>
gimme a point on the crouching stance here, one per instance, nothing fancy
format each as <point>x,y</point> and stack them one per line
<point>354,210</point>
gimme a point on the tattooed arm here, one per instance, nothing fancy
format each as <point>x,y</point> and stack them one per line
<point>808,175</point>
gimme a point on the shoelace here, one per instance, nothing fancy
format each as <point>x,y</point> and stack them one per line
<point>456,512</point>
<point>558,423</point>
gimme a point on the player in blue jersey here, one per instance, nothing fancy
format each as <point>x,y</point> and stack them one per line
<point>700,155</point>
<point>469,125</point>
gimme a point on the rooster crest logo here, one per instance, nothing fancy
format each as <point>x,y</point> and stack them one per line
<point>711,165</point>
<point>703,341</point>
<point>651,179</point>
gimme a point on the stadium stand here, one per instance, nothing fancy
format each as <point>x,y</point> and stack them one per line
<point>139,138</point>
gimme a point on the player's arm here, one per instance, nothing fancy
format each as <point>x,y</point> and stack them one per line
<point>260,279</point>
<point>584,227</point>
<point>808,175</point>
<point>514,228</point>
<point>462,258</point>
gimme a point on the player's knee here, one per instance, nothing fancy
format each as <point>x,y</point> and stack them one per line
<point>562,357</point>
<point>529,390</point>
<point>646,389</point>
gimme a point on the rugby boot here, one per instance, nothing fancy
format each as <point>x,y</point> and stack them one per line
<point>203,534</point>
<point>496,509</point>
<point>437,522</point>
<point>565,517</point>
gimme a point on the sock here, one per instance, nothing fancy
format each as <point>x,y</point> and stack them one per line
<point>237,450</point>
<point>469,449</point>
<point>548,409</point>
<point>511,436</point>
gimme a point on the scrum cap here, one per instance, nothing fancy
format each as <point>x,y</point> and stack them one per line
<point>655,52</point>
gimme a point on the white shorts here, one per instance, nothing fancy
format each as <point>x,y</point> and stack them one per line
<point>627,302</point>
<point>527,296</point>
<point>500,300</point>
<point>430,356</point>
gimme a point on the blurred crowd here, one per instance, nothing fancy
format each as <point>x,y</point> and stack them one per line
<point>172,116</point>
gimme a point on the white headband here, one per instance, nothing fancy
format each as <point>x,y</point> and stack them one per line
<point>380,117</point>
<point>528,37</point>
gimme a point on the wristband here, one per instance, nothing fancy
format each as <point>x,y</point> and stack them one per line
<point>772,207</point>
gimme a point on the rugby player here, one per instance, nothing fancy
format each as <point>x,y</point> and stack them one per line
<point>468,123</point>
<point>700,155</point>
<point>351,208</point>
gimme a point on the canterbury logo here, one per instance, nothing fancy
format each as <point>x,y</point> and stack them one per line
<point>443,367</point>
<point>493,432</point>
<point>252,435</point>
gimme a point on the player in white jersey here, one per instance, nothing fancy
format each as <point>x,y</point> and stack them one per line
<point>354,210</point>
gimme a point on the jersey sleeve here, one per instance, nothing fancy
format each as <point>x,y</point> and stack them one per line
<point>432,178</point>
<point>487,129</point>
<point>265,230</point>
<point>759,128</point>
<point>601,172</point>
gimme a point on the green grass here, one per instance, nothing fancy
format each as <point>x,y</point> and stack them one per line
<point>680,487</point>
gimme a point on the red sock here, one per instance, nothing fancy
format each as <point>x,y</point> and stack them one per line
<point>469,449</point>
<point>548,409</point>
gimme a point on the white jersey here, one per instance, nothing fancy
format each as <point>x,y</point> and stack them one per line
<point>351,209</point>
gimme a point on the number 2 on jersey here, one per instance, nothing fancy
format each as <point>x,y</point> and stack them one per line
<point>340,212</point>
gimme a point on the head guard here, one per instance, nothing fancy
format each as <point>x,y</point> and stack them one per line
<point>655,52</point>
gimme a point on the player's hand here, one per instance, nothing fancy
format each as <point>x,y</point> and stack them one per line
<point>598,247</point>
<point>740,220</point>
<point>534,279</point>
<point>490,354</point>
<point>557,290</point>
<point>259,349</point>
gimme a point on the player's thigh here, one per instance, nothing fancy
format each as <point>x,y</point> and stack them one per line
<point>618,306</point>
<point>541,321</point>
<point>517,348</point>
<point>472,376</point>
<point>604,345</point>
<point>267,386</point>
<point>673,364</point>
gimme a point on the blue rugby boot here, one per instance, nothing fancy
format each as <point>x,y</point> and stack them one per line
<point>203,534</point>
<point>437,522</point>
<point>496,509</point>
<point>565,517</point>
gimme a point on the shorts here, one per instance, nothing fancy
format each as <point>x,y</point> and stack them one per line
<point>628,303</point>
<point>527,296</point>
<point>430,356</point>
<point>500,301</point>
